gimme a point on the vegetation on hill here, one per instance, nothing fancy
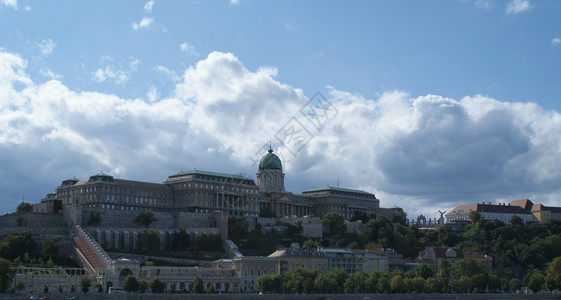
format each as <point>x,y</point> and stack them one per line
<point>520,252</point>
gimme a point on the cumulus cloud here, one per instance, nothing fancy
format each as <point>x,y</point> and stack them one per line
<point>9,3</point>
<point>171,74</point>
<point>234,2</point>
<point>148,6</point>
<point>116,73</point>
<point>144,23</point>
<point>50,74</point>
<point>427,152</point>
<point>518,6</point>
<point>46,47</point>
<point>189,49</point>
<point>117,76</point>
<point>556,42</point>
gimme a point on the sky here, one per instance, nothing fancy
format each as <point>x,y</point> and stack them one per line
<point>426,104</point>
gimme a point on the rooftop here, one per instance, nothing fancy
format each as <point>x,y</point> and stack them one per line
<point>330,189</point>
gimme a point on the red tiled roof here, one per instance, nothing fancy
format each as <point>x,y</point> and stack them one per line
<point>541,207</point>
<point>491,208</point>
<point>524,203</point>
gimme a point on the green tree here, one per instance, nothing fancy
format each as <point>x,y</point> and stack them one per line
<point>181,239</point>
<point>301,280</point>
<point>208,242</point>
<point>355,283</point>
<point>14,245</point>
<point>130,284</point>
<point>85,284</point>
<point>142,285</point>
<point>60,290</point>
<point>515,220</point>
<point>310,245</point>
<point>198,285</point>
<point>50,246</point>
<point>335,222</point>
<point>157,286</point>
<point>211,289</point>
<point>149,240</point>
<point>554,274</point>
<point>536,282</point>
<point>146,218</point>
<point>269,283</point>
<point>72,289</point>
<point>359,216</point>
<point>515,284</point>
<point>419,283</point>
<point>339,276</point>
<point>295,231</point>
<point>466,267</point>
<point>474,217</point>
<point>325,284</point>
<point>237,229</point>
<point>432,285</point>
<point>20,221</point>
<point>397,284</point>
<point>45,289</point>
<point>444,273</point>
<point>6,274</point>
<point>383,284</point>
<point>24,207</point>
<point>423,270</point>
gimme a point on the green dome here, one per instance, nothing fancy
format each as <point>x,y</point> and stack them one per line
<point>270,161</point>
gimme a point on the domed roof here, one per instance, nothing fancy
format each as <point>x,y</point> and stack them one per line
<point>270,161</point>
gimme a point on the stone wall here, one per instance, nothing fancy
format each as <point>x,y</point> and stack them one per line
<point>36,223</point>
<point>125,219</point>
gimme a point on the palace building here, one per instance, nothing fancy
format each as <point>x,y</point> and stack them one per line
<point>205,192</point>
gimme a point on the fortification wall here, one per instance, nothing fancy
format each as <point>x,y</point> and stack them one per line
<point>36,223</point>
<point>125,219</point>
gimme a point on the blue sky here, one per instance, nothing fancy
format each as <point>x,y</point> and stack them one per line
<point>437,102</point>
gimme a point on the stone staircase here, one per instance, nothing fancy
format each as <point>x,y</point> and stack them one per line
<point>93,257</point>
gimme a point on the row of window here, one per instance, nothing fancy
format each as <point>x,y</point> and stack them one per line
<point>221,187</point>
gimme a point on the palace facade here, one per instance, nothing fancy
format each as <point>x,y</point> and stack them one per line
<point>205,192</point>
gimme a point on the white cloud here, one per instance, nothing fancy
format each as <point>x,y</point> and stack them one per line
<point>50,74</point>
<point>116,72</point>
<point>27,8</point>
<point>46,47</point>
<point>152,94</point>
<point>144,23</point>
<point>168,73</point>
<point>556,42</point>
<point>234,2</point>
<point>189,49</point>
<point>486,4</point>
<point>289,25</point>
<point>12,3</point>
<point>117,76</point>
<point>518,6</point>
<point>420,153</point>
<point>134,63</point>
<point>148,6</point>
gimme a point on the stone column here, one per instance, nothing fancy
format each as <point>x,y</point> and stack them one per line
<point>127,240</point>
<point>162,239</point>
<point>108,239</point>
<point>117,240</point>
